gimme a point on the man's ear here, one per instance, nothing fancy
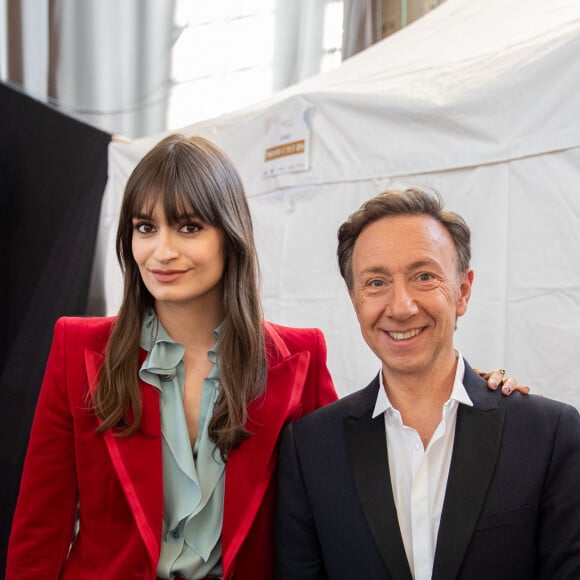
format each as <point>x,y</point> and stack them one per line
<point>464,292</point>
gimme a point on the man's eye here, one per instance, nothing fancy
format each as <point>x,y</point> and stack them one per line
<point>376,283</point>
<point>425,277</point>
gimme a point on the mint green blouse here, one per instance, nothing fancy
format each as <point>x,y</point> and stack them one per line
<point>193,480</point>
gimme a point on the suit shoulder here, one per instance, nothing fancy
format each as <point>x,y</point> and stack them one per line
<point>536,410</point>
<point>527,407</point>
<point>355,404</point>
<point>541,403</point>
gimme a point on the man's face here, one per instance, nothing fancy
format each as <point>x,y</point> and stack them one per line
<point>407,294</point>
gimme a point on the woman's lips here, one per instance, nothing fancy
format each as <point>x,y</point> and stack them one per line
<point>167,275</point>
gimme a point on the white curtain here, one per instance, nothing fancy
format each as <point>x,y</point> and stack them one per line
<point>24,45</point>
<point>361,25</point>
<point>299,47</point>
<point>111,63</point>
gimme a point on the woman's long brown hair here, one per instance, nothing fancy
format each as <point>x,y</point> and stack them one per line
<point>189,174</point>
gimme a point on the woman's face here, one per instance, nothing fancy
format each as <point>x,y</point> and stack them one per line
<point>181,263</point>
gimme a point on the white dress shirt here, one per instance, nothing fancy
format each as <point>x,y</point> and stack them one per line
<point>418,475</point>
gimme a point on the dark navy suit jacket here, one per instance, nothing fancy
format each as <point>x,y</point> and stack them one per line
<point>511,508</point>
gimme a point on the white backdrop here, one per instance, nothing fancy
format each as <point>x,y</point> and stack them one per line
<point>479,100</point>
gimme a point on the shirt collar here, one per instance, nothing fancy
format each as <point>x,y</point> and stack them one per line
<point>164,354</point>
<point>458,392</point>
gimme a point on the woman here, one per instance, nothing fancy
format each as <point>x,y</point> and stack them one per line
<point>154,444</point>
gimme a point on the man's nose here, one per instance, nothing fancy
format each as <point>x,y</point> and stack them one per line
<point>401,302</point>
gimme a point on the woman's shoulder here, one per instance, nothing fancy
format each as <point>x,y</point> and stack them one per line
<point>85,329</point>
<point>86,323</point>
<point>294,339</point>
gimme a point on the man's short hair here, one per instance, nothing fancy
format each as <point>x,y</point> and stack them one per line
<point>412,201</point>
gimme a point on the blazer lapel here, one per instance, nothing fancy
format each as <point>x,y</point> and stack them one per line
<point>366,447</point>
<point>250,467</point>
<point>137,461</point>
<point>478,435</point>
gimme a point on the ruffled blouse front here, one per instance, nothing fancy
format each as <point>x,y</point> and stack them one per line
<point>193,481</point>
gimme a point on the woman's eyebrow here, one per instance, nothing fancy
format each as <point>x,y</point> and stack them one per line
<point>141,216</point>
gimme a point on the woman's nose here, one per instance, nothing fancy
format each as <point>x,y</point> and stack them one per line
<point>166,248</point>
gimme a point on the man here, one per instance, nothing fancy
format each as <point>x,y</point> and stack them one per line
<point>425,473</point>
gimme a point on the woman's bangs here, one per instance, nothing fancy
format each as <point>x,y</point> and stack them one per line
<point>178,205</point>
<point>181,193</point>
<point>191,200</point>
<point>145,201</point>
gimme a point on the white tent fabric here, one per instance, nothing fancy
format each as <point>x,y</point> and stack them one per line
<point>479,100</point>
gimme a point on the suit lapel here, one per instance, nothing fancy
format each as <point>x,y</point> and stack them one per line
<point>250,467</point>
<point>478,435</point>
<point>366,447</point>
<point>137,461</point>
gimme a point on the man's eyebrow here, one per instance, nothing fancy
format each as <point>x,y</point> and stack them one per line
<point>421,264</point>
<point>378,269</point>
<point>375,270</point>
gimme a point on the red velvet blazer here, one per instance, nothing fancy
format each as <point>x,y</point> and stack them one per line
<point>117,482</point>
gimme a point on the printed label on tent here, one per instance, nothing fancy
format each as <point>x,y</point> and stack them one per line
<point>287,142</point>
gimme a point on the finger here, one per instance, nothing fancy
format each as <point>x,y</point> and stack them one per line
<point>508,386</point>
<point>511,384</point>
<point>495,379</point>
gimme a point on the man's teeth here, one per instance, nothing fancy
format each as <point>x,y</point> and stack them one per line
<point>404,335</point>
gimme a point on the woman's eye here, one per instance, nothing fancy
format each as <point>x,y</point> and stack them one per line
<point>190,228</point>
<point>144,228</point>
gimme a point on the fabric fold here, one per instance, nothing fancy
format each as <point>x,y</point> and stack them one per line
<point>193,479</point>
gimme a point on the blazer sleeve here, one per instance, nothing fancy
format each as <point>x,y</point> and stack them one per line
<point>43,524</point>
<point>559,535</point>
<point>297,549</point>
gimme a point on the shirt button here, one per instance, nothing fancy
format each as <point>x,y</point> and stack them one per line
<point>175,534</point>
<point>417,446</point>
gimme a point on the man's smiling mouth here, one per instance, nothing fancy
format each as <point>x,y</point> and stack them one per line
<point>404,335</point>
